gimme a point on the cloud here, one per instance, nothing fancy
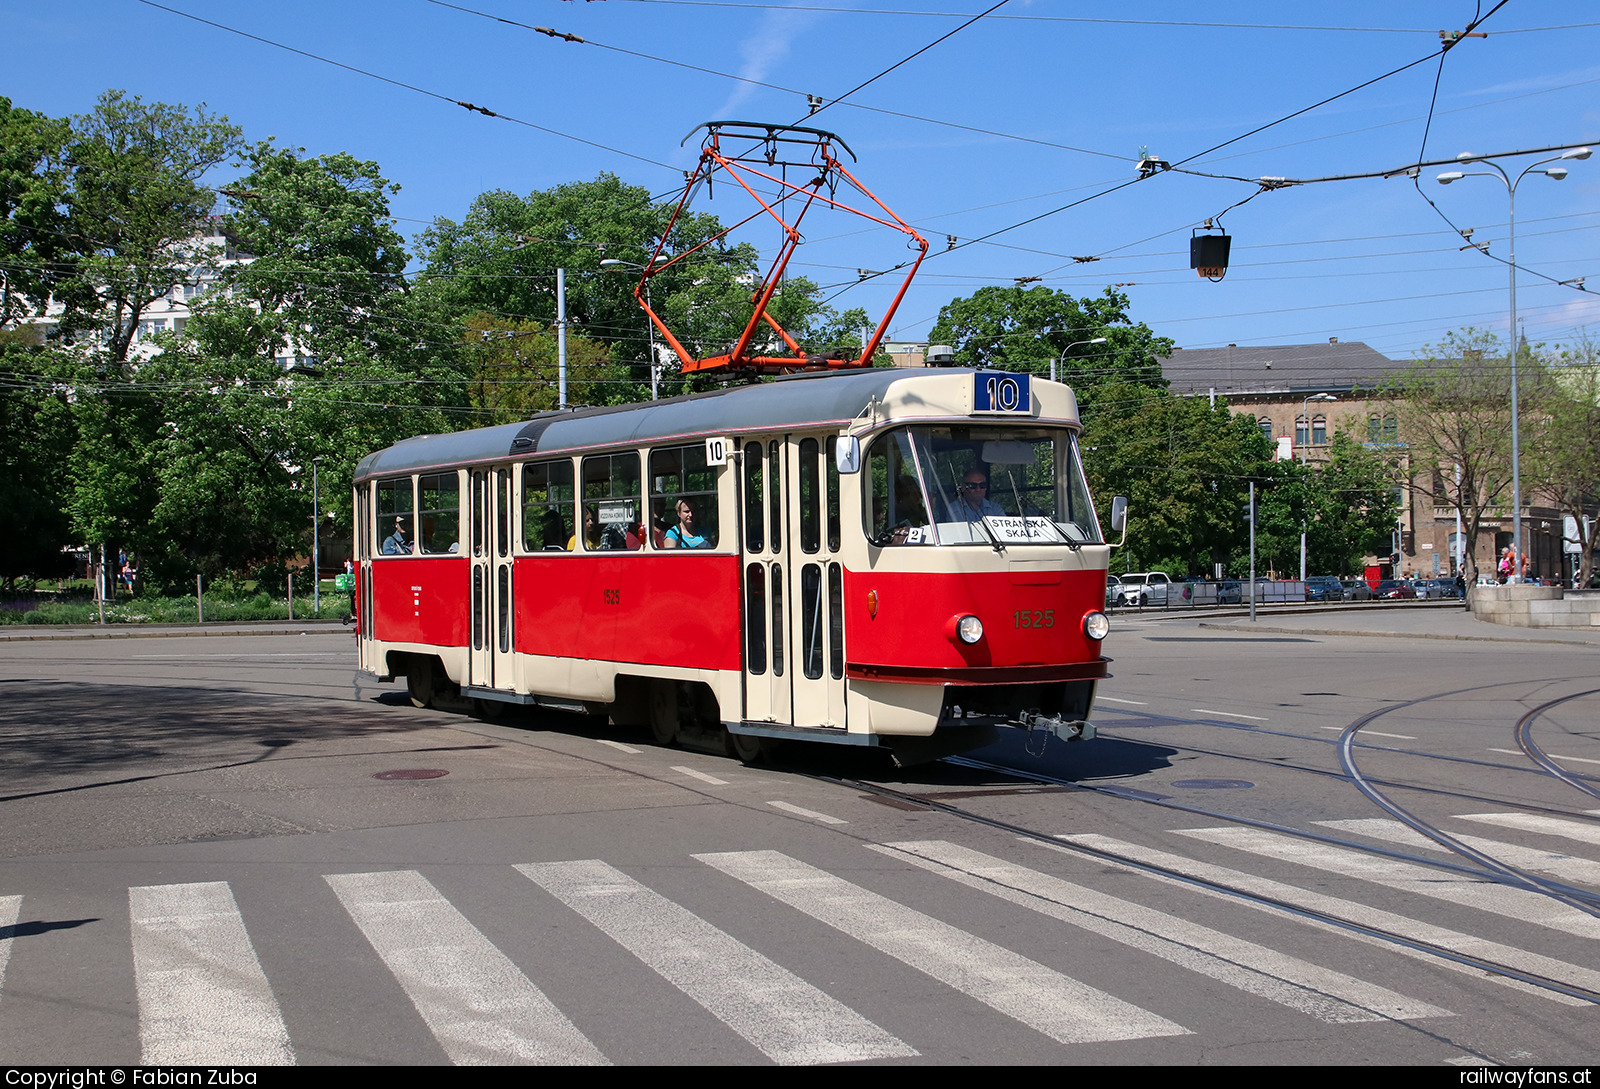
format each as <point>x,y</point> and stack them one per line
<point>763,52</point>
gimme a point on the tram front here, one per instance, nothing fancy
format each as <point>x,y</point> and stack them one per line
<point>973,596</point>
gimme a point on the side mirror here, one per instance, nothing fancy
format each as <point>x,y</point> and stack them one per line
<point>1119,518</point>
<point>847,454</point>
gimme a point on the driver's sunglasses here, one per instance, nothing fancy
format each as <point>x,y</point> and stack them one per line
<point>978,487</point>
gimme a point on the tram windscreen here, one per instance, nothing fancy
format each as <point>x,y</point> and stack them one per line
<point>982,484</point>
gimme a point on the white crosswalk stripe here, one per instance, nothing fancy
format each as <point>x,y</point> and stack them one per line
<point>1582,831</point>
<point>203,998</point>
<point>786,1018</point>
<point>1565,867</point>
<point>479,1005</point>
<point>1319,992</point>
<point>10,908</point>
<point>1060,1007</point>
<point>1487,896</point>
<point>1377,918</point>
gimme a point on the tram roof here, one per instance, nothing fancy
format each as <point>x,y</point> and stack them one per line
<point>800,400</point>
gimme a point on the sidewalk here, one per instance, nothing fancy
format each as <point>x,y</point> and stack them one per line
<point>1400,623</point>
<point>24,633</point>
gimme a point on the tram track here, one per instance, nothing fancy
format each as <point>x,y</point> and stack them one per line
<point>1223,888</point>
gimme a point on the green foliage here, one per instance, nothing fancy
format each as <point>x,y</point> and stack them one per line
<point>1023,328</point>
<point>38,434</point>
<point>135,207</point>
<point>1345,507</point>
<point>1185,468</point>
<point>33,221</point>
<point>515,369</point>
<point>1454,413</point>
<point>1562,452</point>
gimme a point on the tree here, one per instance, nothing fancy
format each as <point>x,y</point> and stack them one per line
<point>135,208</point>
<point>1185,467</point>
<point>501,260</point>
<point>515,369</point>
<point>1023,328</point>
<point>1454,411</point>
<point>1345,507</point>
<point>33,221</point>
<point>1563,459</point>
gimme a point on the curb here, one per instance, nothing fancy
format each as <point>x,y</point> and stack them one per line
<point>1399,635</point>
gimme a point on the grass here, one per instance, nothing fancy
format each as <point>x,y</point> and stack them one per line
<point>151,609</point>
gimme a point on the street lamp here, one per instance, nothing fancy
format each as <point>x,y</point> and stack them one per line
<point>316,557</point>
<point>1305,412</point>
<point>649,326</point>
<point>1068,348</point>
<point>1556,173</point>
<point>1305,454</point>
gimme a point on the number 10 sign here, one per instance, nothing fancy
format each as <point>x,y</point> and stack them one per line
<point>994,391</point>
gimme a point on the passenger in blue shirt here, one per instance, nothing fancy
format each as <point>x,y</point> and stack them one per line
<point>683,535</point>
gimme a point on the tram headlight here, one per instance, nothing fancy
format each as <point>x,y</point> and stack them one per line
<point>968,629</point>
<point>1096,626</point>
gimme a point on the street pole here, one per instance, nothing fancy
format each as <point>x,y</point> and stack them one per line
<point>561,337</point>
<point>1252,552</point>
<point>1519,561</point>
<point>316,552</point>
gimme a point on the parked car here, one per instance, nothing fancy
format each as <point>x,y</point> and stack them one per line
<point>1436,588</point>
<point>1113,591</point>
<point>1230,592</point>
<point>1146,588</point>
<point>1358,590</point>
<point>1393,589</point>
<point>1324,588</point>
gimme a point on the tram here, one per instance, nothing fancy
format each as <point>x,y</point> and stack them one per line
<point>898,558</point>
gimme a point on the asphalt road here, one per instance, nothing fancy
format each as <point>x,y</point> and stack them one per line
<point>233,849</point>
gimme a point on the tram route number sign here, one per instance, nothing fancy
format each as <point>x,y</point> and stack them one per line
<point>999,392</point>
<point>717,450</point>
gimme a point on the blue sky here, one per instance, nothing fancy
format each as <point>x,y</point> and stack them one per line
<point>994,113</point>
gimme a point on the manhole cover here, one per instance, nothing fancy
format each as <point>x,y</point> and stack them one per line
<point>1212,784</point>
<point>412,773</point>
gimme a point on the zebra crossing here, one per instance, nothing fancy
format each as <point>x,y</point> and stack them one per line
<point>204,997</point>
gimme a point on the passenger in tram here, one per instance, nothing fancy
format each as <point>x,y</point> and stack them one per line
<point>396,543</point>
<point>552,529</point>
<point>684,534</point>
<point>591,532</point>
<point>973,500</point>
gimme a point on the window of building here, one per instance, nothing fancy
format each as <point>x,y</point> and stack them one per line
<point>1265,423</point>
<point>1319,431</point>
<point>1302,434</point>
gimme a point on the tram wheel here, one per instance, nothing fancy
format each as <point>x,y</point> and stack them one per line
<point>745,748</point>
<point>664,711</point>
<point>419,682</point>
<point>488,710</point>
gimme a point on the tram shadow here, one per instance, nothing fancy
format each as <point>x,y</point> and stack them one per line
<point>1086,762</point>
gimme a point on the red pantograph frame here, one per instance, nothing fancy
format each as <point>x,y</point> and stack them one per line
<point>740,166</point>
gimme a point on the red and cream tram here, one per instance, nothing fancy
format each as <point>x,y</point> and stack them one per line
<point>878,557</point>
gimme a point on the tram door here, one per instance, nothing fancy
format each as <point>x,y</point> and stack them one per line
<point>794,625</point>
<point>492,609</point>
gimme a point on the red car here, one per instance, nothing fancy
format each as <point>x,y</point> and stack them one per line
<point>1390,589</point>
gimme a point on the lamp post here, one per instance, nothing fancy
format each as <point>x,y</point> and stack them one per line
<point>649,327</point>
<point>1068,348</point>
<point>1556,173</point>
<point>1305,454</point>
<point>316,552</point>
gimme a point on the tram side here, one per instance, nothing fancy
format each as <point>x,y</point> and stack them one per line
<point>704,566</point>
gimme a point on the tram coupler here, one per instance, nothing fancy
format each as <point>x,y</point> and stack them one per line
<point>1075,730</point>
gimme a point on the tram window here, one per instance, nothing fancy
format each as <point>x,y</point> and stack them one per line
<point>503,605</point>
<point>777,620</point>
<point>775,493</point>
<point>441,512</point>
<point>831,467</point>
<point>611,485</point>
<point>755,618</point>
<point>396,505</point>
<point>502,539</point>
<point>754,471</point>
<point>549,506</point>
<point>679,476</point>
<point>835,621</point>
<point>810,500</point>
<point>895,509</point>
<point>811,620</point>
